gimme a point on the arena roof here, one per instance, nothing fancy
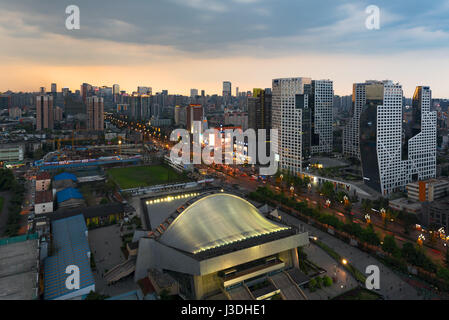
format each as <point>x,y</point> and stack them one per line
<point>215,221</point>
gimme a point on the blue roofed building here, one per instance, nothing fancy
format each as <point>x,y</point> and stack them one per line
<point>70,247</point>
<point>64,180</point>
<point>69,198</point>
<point>65,176</point>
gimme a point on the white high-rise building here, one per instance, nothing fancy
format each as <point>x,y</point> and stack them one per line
<point>115,89</point>
<point>422,137</point>
<point>287,119</point>
<point>351,132</point>
<point>394,154</point>
<point>227,89</point>
<point>193,93</point>
<point>322,116</point>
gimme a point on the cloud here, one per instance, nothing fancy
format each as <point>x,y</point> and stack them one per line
<point>207,5</point>
<point>204,32</point>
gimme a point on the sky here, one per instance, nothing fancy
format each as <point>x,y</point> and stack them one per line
<point>182,44</point>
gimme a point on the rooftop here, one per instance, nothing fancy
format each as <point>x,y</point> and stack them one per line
<point>65,176</point>
<point>89,212</point>
<point>18,270</point>
<point>216,221</point>
<point>43,176</point>
<point>70,247</point>
<point>44,197</point>
<point>67,194</point>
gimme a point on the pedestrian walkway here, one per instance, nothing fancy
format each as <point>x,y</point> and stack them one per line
<point>282,282</point>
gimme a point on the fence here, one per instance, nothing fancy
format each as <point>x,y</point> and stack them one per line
<point>17,239</point>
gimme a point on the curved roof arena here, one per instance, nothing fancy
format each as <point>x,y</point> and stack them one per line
<point>214,221</point>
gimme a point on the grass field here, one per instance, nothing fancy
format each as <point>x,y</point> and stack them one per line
<point>133,177</point>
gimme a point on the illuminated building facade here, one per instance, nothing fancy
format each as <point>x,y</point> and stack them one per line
<point>394,154</point>
<point>213,241</point>
<point>287,119</point>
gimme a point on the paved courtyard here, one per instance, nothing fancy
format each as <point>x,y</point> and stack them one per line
<point>345,281</point>
<point>105,244</point>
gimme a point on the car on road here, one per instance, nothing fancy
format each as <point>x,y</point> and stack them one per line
<point>31,217</point>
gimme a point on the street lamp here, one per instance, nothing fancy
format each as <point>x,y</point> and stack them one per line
<point>421,239</point>
<point>344,261</point>
<point>368,218</point>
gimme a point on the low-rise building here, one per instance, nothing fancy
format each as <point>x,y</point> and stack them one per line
<point>428,190</point>
<point>436,213</point>
<point>19,263</point>
<point>69,198</point>
<point>406,205</point>
<point>43,202</point>
<point>64,180</point>
<point>43,181</point>
<point>70,248</point>
<point>15,112</point>
<point>12,152</point>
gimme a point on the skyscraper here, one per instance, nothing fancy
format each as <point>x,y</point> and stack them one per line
<point>419,146</point>
<point>140,107</point>
<point>65,92</point>
<point>95,113</point>
<point>54,88</point>
<point>44,112</point>
<point>193,93</point>
<point>259,109</point>
<point>287,119</point>
<point>351,132</point>
<point>194,113</point>
<point>115,89</point>
<point>227,92</point>
<point>321,103</point>
<point>227,89</point>
<point>392,154</point>
<point>57,117</point>
<point>86,91</point>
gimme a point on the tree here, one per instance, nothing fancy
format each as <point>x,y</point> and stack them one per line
<point>443,273</point>
<point>389,245</point>
<point>328,190</point>
<point>327,281</point>
<point>408,220</point>
<point>446,257</point>
<point>319,282</point>
<point>366,205</point>
<point>96,296</point>
<point>312,284</point>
